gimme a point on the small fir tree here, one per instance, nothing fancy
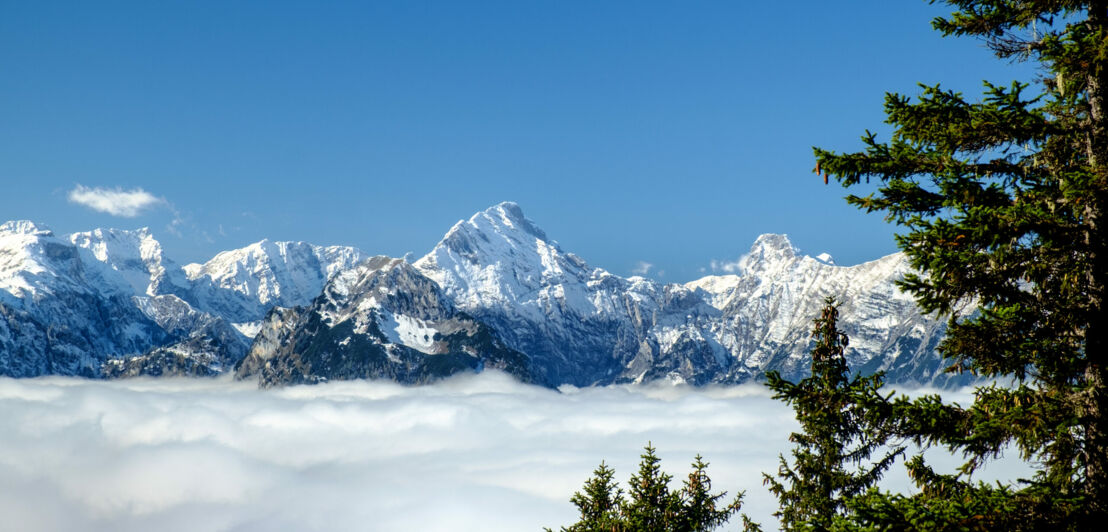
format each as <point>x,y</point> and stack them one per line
<point>699,508</point>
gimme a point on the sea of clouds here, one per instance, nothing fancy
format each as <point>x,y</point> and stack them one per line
<point>475,452</point>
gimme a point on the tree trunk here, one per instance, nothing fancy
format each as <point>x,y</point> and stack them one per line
<point>1096,240</point>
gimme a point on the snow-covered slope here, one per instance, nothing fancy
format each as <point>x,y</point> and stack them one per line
<point>199,344</point>
<point>243,284</point>
<point>133,257</point>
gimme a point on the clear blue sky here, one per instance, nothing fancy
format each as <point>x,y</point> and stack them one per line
<point>667,132</point>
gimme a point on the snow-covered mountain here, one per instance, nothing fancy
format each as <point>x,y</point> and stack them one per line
<point>131,261</point>
<point>243,284</point>
<point>57,313</point>
<point>580,325</point>
<point>496,291</point>
<point>584,325</point>
<point>70,304</point>
<point>768,306</point>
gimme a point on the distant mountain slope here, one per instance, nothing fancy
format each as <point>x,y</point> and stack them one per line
<point>580,325</point>
<point>58,315</point>
<point>70,304</point>
<point>768,307</point>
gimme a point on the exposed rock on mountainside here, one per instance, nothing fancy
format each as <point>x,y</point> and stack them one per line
<point>200,344</point>
<point>382,319</point>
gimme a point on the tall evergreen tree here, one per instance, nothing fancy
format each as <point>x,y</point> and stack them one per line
<point>1003,201</point>
<point>842,422</point>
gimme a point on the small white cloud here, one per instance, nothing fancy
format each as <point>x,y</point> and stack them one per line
<point>116,202</point>
<point>642,268</point>
<point>725,266</point>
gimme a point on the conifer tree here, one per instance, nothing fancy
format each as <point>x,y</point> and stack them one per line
<point>651,506</point>
<point>1003,203</point>
<point>842,421</point>
<point>699,508</point>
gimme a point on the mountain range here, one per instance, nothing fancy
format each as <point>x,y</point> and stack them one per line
<point>495,292</point>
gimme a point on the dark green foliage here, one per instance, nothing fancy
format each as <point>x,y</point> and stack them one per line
<point>649,504</point>
<point>599,502</point>
<point>699,507</point>
<point>1003,202</point>
<point>842,423</point>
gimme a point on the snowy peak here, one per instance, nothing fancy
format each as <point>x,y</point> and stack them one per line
<point>34,262</point>
<point>510,216</point>
<point>768,249</point>
<point>133,257</point>
<point>25,227</point>
<point>244,283</point>
<point>487,235</point>
<point>500,257</point>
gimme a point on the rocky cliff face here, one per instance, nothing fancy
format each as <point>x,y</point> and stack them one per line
<point>381,319</point>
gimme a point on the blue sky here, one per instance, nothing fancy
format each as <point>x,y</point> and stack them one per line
<point>670,133</point>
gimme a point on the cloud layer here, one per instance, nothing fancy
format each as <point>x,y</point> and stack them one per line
<point>472,453</point>
<point>116,202</point>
